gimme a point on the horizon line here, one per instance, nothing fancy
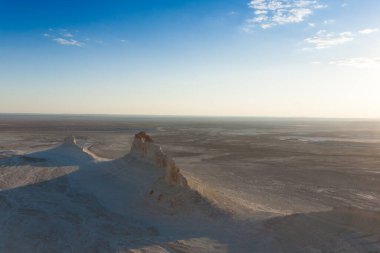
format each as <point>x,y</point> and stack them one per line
<point>189,116</point>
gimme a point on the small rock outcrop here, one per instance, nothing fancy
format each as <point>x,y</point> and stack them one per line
<point>70,140</point>
<point>144,148</point>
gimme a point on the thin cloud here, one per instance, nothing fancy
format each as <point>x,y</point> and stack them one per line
<point>68,42</point>
<point>369,31</point>
<point>329,21</point>
<point>269,13</point>
<point>323,39</point>
<point>361,62</point>
<point>68,35</point>
<point>63,37</point>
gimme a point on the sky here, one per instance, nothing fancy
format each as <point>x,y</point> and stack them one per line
<point>274,58</point>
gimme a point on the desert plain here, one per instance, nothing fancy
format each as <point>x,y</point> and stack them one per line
<point>80,183</point>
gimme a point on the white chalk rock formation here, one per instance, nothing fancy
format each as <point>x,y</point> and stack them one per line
<point>144,148</point>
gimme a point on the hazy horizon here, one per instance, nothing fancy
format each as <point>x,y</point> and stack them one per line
<point>187,116</point>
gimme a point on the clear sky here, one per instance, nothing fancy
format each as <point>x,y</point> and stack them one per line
<point>314,58</point>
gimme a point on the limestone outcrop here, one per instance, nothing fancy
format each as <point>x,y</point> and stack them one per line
<point>144,148</point>
<point>70,140</point>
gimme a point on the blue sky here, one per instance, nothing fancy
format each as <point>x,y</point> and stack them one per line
<point>314,58</point>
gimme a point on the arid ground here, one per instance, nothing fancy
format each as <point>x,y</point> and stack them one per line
<point>265,185</point>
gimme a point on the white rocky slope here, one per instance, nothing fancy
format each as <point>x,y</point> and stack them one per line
<point>145,149</point>
<point>139,202</point>
<point>142,203</point>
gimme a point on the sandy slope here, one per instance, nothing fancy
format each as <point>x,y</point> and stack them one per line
<point>67,200</point>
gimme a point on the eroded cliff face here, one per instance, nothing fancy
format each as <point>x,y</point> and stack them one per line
<point>144,148</point>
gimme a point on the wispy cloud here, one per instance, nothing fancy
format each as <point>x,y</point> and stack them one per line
<point>269,13</point>
<point>323,39</point>
<point>361,62</point>
<point>68,42</point>
<point>231,13</point>
<point>329,21</point>
<point>369,31</point>
<point>67,35</point>
<point>63,37</point>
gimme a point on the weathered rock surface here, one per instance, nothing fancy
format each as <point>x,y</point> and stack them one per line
<point>144,148</point>
<point>70,140</point>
